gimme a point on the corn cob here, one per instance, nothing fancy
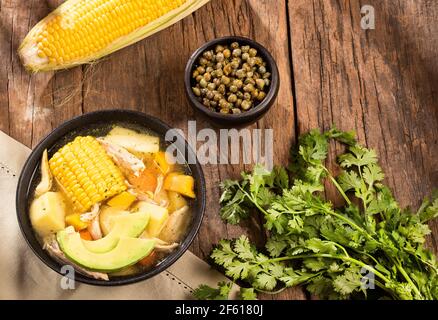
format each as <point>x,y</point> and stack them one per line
<point>86,173</point>
<point>81,31</point>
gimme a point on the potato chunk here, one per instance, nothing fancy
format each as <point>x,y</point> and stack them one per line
<point>47,213</point>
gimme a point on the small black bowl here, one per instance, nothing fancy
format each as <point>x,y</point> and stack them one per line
<point>88,124</point>
<point>244,118</point>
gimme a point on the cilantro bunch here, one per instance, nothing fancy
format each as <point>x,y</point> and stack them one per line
<point>368,248</point>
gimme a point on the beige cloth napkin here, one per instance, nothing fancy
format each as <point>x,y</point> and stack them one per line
<point>24,276</point>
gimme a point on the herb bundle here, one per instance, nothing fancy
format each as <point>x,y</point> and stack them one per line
<point>336,253</point>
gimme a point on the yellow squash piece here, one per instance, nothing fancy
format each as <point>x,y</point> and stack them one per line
<point>86,173</point>
<point>180,183</point>
<point>158,217</point>
<point>162,161</point>
<point>122,201</point>
<point>47,213</point>
<point>75,221</point>
<point>81,31</point>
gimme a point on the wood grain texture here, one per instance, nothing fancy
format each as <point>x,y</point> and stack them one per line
<point>382,83</point>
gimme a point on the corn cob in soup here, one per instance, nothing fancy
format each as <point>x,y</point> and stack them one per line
<point>112,205</point>
<point>81,31</point>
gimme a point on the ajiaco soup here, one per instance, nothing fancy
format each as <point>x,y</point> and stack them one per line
<point>112,205</point>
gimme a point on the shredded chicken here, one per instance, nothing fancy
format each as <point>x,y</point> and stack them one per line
<point>122,157</point>
<point>163,246</point>
<point>52,247</point>
<point>94,228</point>
<point>89,216</point>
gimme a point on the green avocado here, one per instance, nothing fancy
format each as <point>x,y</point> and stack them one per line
<point>131,225</point>
<point>128,251</point>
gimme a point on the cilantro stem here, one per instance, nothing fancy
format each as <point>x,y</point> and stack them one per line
<point>333,180</point>
<point>408,279</point>
<point>326,255</point>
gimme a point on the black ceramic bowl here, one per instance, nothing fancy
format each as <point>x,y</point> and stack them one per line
<point>87,124</point>
<point>244,118</point>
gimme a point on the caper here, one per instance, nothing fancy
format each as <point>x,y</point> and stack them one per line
<point>209,95</point>
<point>246,104</point>
<point>233,88</point>
<point>213,104</point>
<point>203,83</point>
<point>219,48</point>
<point>220,57</point>
<point>249,74</point>
<point>238,83</point>
<point>251,62</point>
<point>232,98</point>
<point>260,83</point>
<point>195,73</point>
<point>224,110</point>
<point>254,93</point>
<point>267,82</point>
<point>207,76</point>
<point>247,96</point>
<point>234,45</point>
<point>234,64</point>
<point>203,61</point>
<point>237,53</point>
<point>223,103</point>
<point>227,53</point>
<point>211,86</point>
<point>228,69</point>
<point>266,75</point>
<point>217,97</point>
<point>196,91</point>
<point>219,73</point>
<point>245,56</point>
<point>249,81</point>
<point>240,94</point>
<point>218,66</point>
<point>252,52</point>
<point>221,89</point>
<point>201,70</point>
<point>245,49</point>
<point>246,67</point>
<point>236,111</point>
<point>217,82</point>
<point>206,102</point>
<point>199,77</point>
<point>209,69</point>
<point>261,95</point>
<point>208,55</point>
<point>262,70</point>
<point>225,80</point>
<point>238,103</point>
<point>204,91</point>
<point>240,73</point>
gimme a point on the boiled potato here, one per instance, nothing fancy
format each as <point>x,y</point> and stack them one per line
<point>47,213</point>
<point>158,217</point>
<point>133,141</point>
<point>106,218</point>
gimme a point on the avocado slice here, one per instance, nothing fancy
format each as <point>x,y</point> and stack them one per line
<point>131,225</point>
<point>127,252</point>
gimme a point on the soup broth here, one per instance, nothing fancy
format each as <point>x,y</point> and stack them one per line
<point>110,201</point>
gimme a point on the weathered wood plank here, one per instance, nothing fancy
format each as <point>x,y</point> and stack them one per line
<point>381,82</point>
<point>148,77</point>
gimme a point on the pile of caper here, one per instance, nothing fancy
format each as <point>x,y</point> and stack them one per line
<point>231,79</point>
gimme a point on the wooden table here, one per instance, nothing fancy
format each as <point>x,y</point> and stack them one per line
<point>381,83</point>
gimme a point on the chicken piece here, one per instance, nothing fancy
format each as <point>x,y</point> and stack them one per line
<point>46,176</point>
<point>122,157</point>
<point>176,226</point>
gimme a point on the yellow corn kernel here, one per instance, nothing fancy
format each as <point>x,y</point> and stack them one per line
<point>86,30</point>
<point>86,172</point>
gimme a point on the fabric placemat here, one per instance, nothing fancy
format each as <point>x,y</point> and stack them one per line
<point>24,276</point>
